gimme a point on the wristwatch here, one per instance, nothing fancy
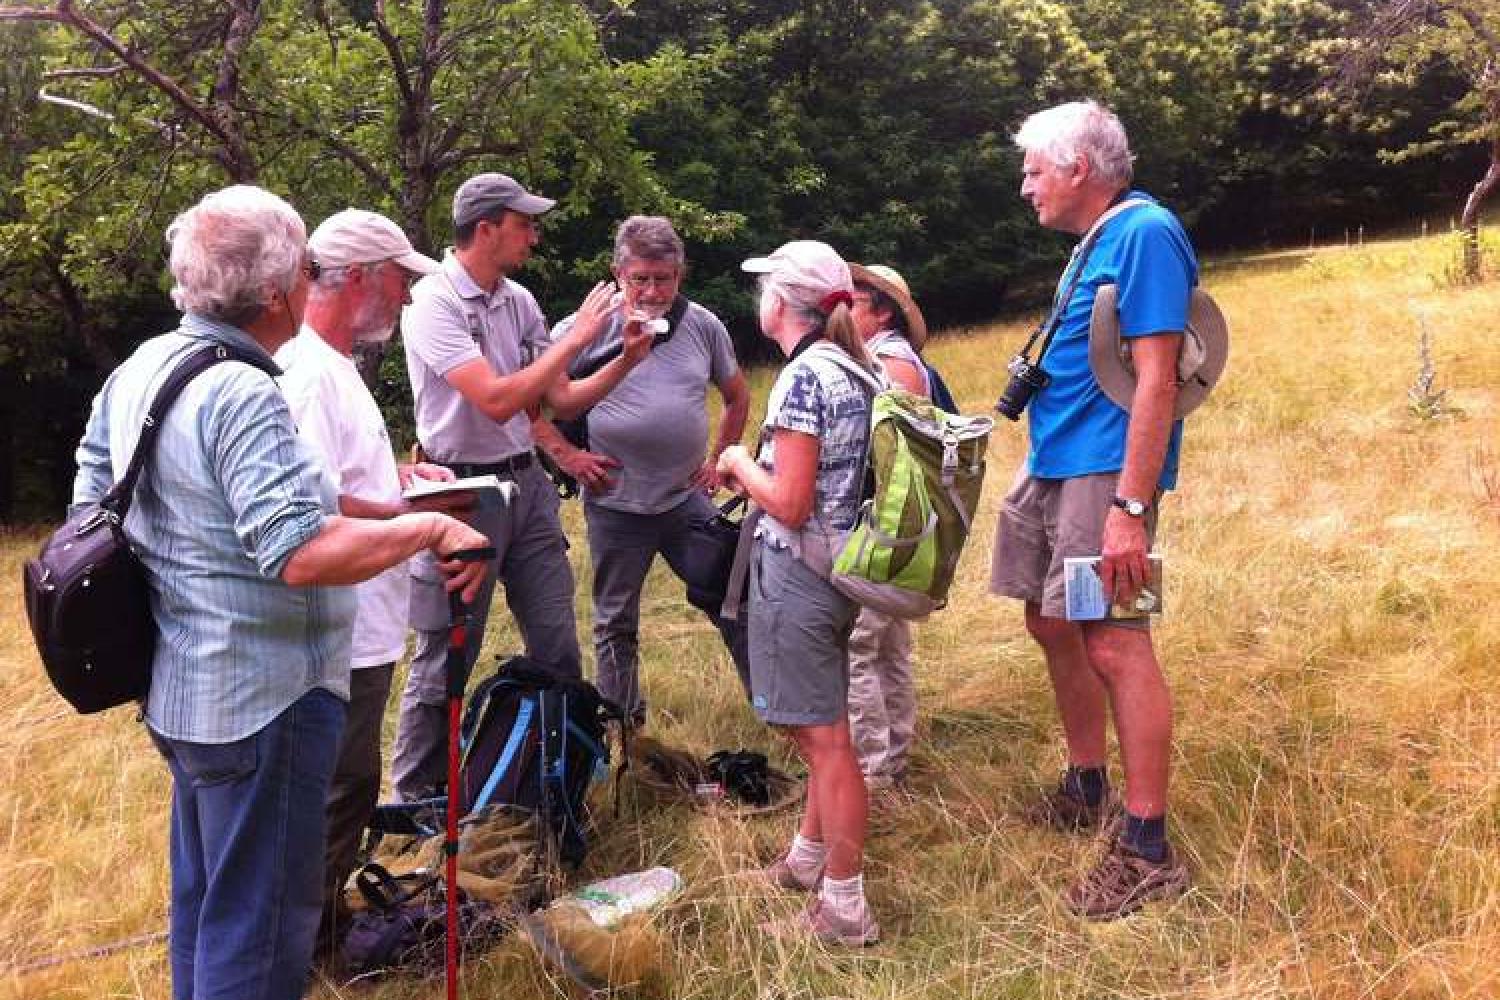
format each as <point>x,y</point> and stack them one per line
<point>1131,506</point>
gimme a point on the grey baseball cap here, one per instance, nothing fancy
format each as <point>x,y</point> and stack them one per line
<point>482,194</point>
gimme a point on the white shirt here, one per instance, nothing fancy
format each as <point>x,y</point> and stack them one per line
<point>341,425</point>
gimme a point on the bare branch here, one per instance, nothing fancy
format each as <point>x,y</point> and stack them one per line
<point>234,155</point>
<point>32,14</point>
<point>90,72</point>
<point>454,157</point>
<point>68,102</point>
<point>393,52</point>
<point>482,97</point>
<point>347,150</point>
<point>1480,27</point>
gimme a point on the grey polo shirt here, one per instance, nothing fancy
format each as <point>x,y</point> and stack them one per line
<point>452,321</point>
<point>655,422</point>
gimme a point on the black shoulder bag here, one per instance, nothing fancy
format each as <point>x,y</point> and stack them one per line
<point>87,597</point>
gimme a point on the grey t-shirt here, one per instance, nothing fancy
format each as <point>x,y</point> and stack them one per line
<point>452,321</point>
<point>655,422</point>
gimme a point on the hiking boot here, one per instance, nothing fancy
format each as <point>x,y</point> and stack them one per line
<point>821,923</point>
<point>780,875</point>
<point>1123,881</point>
<point>1060,811</point>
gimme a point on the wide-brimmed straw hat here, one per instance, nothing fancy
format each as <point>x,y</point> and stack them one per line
<point>894,287</point>
<point>1200,363</point>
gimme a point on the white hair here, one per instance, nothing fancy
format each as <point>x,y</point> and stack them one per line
<point>1080,128</point>
<point>232,251</point>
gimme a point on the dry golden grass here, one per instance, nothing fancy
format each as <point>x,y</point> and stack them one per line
<point>1331,640</point>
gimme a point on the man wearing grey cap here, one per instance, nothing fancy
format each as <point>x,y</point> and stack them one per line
<point>481,363</point>
<point>366,264</point>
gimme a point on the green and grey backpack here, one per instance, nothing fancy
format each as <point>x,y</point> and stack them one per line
<point>927,467</point>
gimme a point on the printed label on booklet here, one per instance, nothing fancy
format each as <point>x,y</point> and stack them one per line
<point>1085,600</point>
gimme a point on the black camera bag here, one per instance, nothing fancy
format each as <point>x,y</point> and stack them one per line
<point>87,597</point>
<point>709,560</point>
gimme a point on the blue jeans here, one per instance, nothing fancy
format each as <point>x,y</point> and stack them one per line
<point>247,854</point>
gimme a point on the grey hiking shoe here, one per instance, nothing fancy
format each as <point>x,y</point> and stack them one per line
<point>1123,881</point>
<point>820,922</point>
<point>1058,810</point>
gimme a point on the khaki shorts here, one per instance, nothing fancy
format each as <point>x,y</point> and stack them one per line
<point>799,641</point>
<point>1043,522</point>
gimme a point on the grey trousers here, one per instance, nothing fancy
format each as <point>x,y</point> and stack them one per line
<point>531,559</point>
<point>622,546</point>
<point>355,788</point>
<point>882,696</point>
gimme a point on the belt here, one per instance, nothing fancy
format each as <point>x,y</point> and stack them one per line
<point>505,467</point>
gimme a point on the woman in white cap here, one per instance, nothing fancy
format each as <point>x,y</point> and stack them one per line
<point>808,481</point>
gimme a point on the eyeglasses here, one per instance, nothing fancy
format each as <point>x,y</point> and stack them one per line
<point>312,269</point>
<point>641,282</point>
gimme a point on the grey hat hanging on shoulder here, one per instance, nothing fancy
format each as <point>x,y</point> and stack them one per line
<point>1200,363</point>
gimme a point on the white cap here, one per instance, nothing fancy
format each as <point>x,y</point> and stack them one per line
<point>355,236</point>
<point>805,264</point>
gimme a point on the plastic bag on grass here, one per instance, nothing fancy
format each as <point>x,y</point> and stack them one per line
<point>601,936</point>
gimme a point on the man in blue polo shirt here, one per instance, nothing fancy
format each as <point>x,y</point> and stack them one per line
<point>1093,477</point>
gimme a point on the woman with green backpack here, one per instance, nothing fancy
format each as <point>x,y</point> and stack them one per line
<point>807,481</point>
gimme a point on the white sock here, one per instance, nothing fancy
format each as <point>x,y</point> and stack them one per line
<point>806,858</point>
<point>844,897</point>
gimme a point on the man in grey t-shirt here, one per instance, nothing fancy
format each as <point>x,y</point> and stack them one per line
<point>480,364</point>
<point>649,438</point>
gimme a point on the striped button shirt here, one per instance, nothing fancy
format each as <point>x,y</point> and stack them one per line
<point>228,496</point>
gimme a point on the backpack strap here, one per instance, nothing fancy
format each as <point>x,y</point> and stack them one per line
<point>739,569</point>
<point>117,500</point>
<point>875,381</point>
<point>385,892</point>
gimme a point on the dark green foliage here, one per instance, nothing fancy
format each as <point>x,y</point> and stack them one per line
<point>882,128</point>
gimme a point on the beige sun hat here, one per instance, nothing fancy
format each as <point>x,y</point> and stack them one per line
<point>891,284</point>
<point>1200,363</point>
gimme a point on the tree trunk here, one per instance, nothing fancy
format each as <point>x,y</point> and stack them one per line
<point>1472,206</point>
<point>75,317</point>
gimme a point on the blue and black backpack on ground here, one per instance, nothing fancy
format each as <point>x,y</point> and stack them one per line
<point>534,740</point>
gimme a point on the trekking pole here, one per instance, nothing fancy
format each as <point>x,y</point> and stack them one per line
<point>460,619</point>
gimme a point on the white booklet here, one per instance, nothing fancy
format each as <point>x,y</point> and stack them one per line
<point>421,488</point>
<point>1085,600</point>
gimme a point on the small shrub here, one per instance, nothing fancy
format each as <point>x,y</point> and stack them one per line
<point>1424,399</point>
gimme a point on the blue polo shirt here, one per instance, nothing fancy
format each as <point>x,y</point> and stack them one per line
<point>1076,430</point>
